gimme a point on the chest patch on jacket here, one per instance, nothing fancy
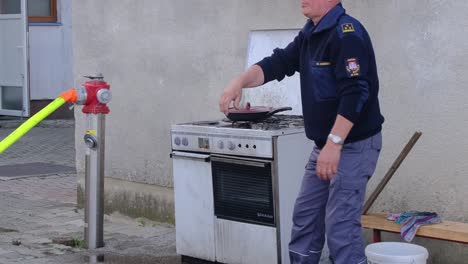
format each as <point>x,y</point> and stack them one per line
<point>348,27</point>
<point>352,67</point>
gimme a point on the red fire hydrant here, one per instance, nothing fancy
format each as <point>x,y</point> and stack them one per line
<point>95,95</point>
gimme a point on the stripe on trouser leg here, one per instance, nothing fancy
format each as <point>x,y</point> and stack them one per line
<point>298,253</point>
<point>315,252</point>
<point>308,229</point>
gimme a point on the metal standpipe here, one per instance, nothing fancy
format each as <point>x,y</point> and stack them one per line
<point>94,95</point>
<point>94,182</point>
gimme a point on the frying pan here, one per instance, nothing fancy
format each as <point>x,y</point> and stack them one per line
<point>253,113</point>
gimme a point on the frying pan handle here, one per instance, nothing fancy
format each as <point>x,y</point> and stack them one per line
<point>276,110</point>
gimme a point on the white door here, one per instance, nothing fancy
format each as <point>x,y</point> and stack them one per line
<point>14,73</point>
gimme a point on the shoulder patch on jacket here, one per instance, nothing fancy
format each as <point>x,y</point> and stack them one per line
<point>347,28</point>
<point>352,67</point>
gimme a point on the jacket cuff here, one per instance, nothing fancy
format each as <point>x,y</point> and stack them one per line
<point>350,107</point>
<point>267,69</point>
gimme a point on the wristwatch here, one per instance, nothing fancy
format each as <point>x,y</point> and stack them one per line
<point>335,139</point>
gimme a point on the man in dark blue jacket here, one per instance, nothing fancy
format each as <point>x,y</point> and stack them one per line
<point>339,86</point>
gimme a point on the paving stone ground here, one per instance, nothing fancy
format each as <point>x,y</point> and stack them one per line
<point>37,211</point>
<point>53,142</point>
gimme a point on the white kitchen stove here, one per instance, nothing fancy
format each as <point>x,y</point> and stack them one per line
<point>235,184</point>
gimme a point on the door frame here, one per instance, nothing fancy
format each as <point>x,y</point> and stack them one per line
<point>25,112</point>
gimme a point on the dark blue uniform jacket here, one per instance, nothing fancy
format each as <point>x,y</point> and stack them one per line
<point>336,61</point>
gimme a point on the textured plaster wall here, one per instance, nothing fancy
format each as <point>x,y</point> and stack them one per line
<point>422,57</point>
<point>167,62</point>
<point>421,53</point>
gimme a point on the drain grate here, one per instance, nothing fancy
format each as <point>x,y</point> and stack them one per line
<point>33,169</point>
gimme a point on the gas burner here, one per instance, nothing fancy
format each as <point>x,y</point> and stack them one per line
<point>227,120</point>
<point>275,122</point>
<point>240,124</point>
<point>205,123</point>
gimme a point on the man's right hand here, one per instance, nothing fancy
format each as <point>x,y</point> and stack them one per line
<point>253,77</point>
<point>232,92</point>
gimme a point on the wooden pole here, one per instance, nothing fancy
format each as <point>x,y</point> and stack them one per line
<point>396,164</point>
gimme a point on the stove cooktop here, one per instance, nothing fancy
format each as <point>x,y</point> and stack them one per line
<point>225,137</point>
<point>275,122</point>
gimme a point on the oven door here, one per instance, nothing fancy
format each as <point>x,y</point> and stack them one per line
<point>244,208</point>
<point>243,190</point>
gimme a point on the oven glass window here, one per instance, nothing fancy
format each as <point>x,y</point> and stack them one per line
<point>243,192</point>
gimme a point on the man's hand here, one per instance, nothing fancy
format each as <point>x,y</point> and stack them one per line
<point>253,77</point>
<point>327,164</point>
<point>232,92</point>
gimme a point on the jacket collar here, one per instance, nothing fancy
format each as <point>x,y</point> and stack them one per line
<point>330,19</point>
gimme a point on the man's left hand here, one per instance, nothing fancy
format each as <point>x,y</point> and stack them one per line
<point>327,164</point>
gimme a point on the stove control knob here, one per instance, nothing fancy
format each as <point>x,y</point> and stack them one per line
<point>220,144</point>
<point>231,145</point>
<point>177,141</point>
<point>185,141</point>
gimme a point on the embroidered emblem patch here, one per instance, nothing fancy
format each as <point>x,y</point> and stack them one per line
<point>352,67</point>
<point>348,27</point>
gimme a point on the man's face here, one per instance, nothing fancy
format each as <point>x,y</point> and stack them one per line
<point>316,8</point>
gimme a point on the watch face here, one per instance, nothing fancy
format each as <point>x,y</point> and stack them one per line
<point>335,139</point>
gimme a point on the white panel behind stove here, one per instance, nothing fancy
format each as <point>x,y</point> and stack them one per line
<point>275,94</point>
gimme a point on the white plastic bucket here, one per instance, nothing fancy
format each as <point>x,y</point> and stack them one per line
<point>396,253</point>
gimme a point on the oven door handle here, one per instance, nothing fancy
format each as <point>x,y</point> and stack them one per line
<point>188,155</point>
<point>248,162</point>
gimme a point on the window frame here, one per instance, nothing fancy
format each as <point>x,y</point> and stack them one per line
<point>46,19</point>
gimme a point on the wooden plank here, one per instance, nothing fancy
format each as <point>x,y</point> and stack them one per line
<point>447,230</point>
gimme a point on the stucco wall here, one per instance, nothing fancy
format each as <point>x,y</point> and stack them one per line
<point>422,64</point>
<point>168,61</point>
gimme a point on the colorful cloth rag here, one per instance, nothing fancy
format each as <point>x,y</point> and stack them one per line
<point>411,221</point>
